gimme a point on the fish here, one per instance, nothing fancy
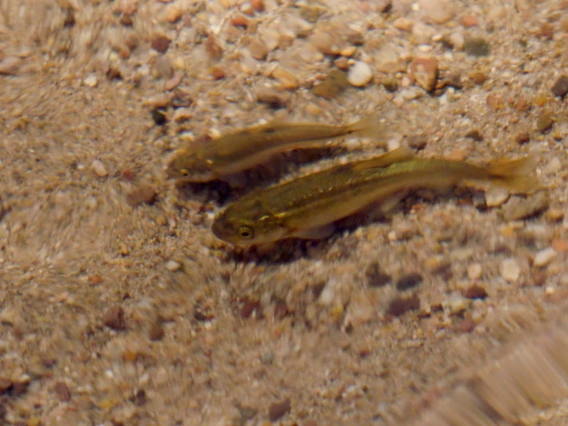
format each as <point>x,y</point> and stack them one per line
<point>207,160</point>
<point>308,207</point>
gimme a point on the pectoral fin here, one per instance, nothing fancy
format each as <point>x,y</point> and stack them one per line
<point>318,233</point>
<point>384,208</point>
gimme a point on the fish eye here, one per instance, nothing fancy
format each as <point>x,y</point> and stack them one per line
<point>184,172</point>
<point>245,232</point>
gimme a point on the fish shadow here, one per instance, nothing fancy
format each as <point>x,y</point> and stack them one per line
<point>284,252</point>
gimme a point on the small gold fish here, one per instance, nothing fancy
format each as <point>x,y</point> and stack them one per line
<point>207,160</point>
<point>307,207</point>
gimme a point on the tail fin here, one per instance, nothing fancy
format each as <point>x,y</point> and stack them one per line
<point>369,127</point>
<point>515,175</point>
<point>399,155</point>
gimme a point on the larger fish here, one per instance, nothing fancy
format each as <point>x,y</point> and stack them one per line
<point>204,161</point>
<point>307,207</point>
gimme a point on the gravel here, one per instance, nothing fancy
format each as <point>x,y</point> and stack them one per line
<point>99,324</point>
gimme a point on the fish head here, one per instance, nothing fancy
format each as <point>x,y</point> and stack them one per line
<point>190,166</point>
<point>244,227</point>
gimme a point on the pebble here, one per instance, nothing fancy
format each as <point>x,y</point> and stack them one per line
<point>522,138</point>
<point>423,33</point>
<point>478,77</point>
<point>560,87</point>
<point>258,49</point>
<point>417,142</point>
<point>141,194</point>
<point>278,410</point>
<point>161,44</point>
<point>518,208</point>
<point>425,72</point>
<point>476,46</point>
<point>360,310</point>
<point>114,318</point>
<point>510,270</point>
<point>554,166</point>
<point>456,304</point>
<point>258,5</point>
<point>172,265</point>
<point>99,168</point>
<point>475,135</point>
<point>544,257</point>
<point>407,95</point>
<point>389,59</point>
<point>240,20</point>
<point>474,271</point>
<point>91,81</point>
<point>401,305</point>
<point>456,40</point>
<point>544,122</point>
<point>554,215</point>
<point>476,292</point>
<point>163,67</point>
<point>156,332</point>
<point>173,82</point>
<point>285,78</point>
<point>272,97</point>
<point>270,38</point>
<point>496,196</point>
<point>439,11</point>
<point>324,42</point>
<point>469,21</point>
<point>359,74</point>
<point>10,65</point>
<point>333,85</point>
<point>328,293</point>
<point>62,391</point>
<point>173,12</point>
<point>249,65</point>
<point>403,24</point>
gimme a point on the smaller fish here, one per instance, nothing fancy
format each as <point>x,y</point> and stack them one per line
<point>207,160</point>
<point>307,207</point>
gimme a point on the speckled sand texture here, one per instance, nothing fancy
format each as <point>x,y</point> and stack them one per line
<point>119,307</point>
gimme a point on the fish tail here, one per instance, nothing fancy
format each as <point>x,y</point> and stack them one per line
<point>369,127</point>
<point>517,176</point>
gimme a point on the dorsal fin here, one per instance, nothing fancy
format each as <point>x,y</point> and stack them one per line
<point>399,155</point>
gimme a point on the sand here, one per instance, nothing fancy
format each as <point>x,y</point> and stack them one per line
<point>119,307</point>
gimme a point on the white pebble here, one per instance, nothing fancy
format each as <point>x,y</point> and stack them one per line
<point>359,74</point>
<point>172,265</point>
<point>99,168</point>
<point>510,270</point>
<point>91,203</point>
<point>553,166</point>
<point>91,81</point>
<point>456,304</point>
<point>496,196</point>
<point>393,143</point>
<point>544,257</point>
<point>474,271</point>
<point>327,295</point>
